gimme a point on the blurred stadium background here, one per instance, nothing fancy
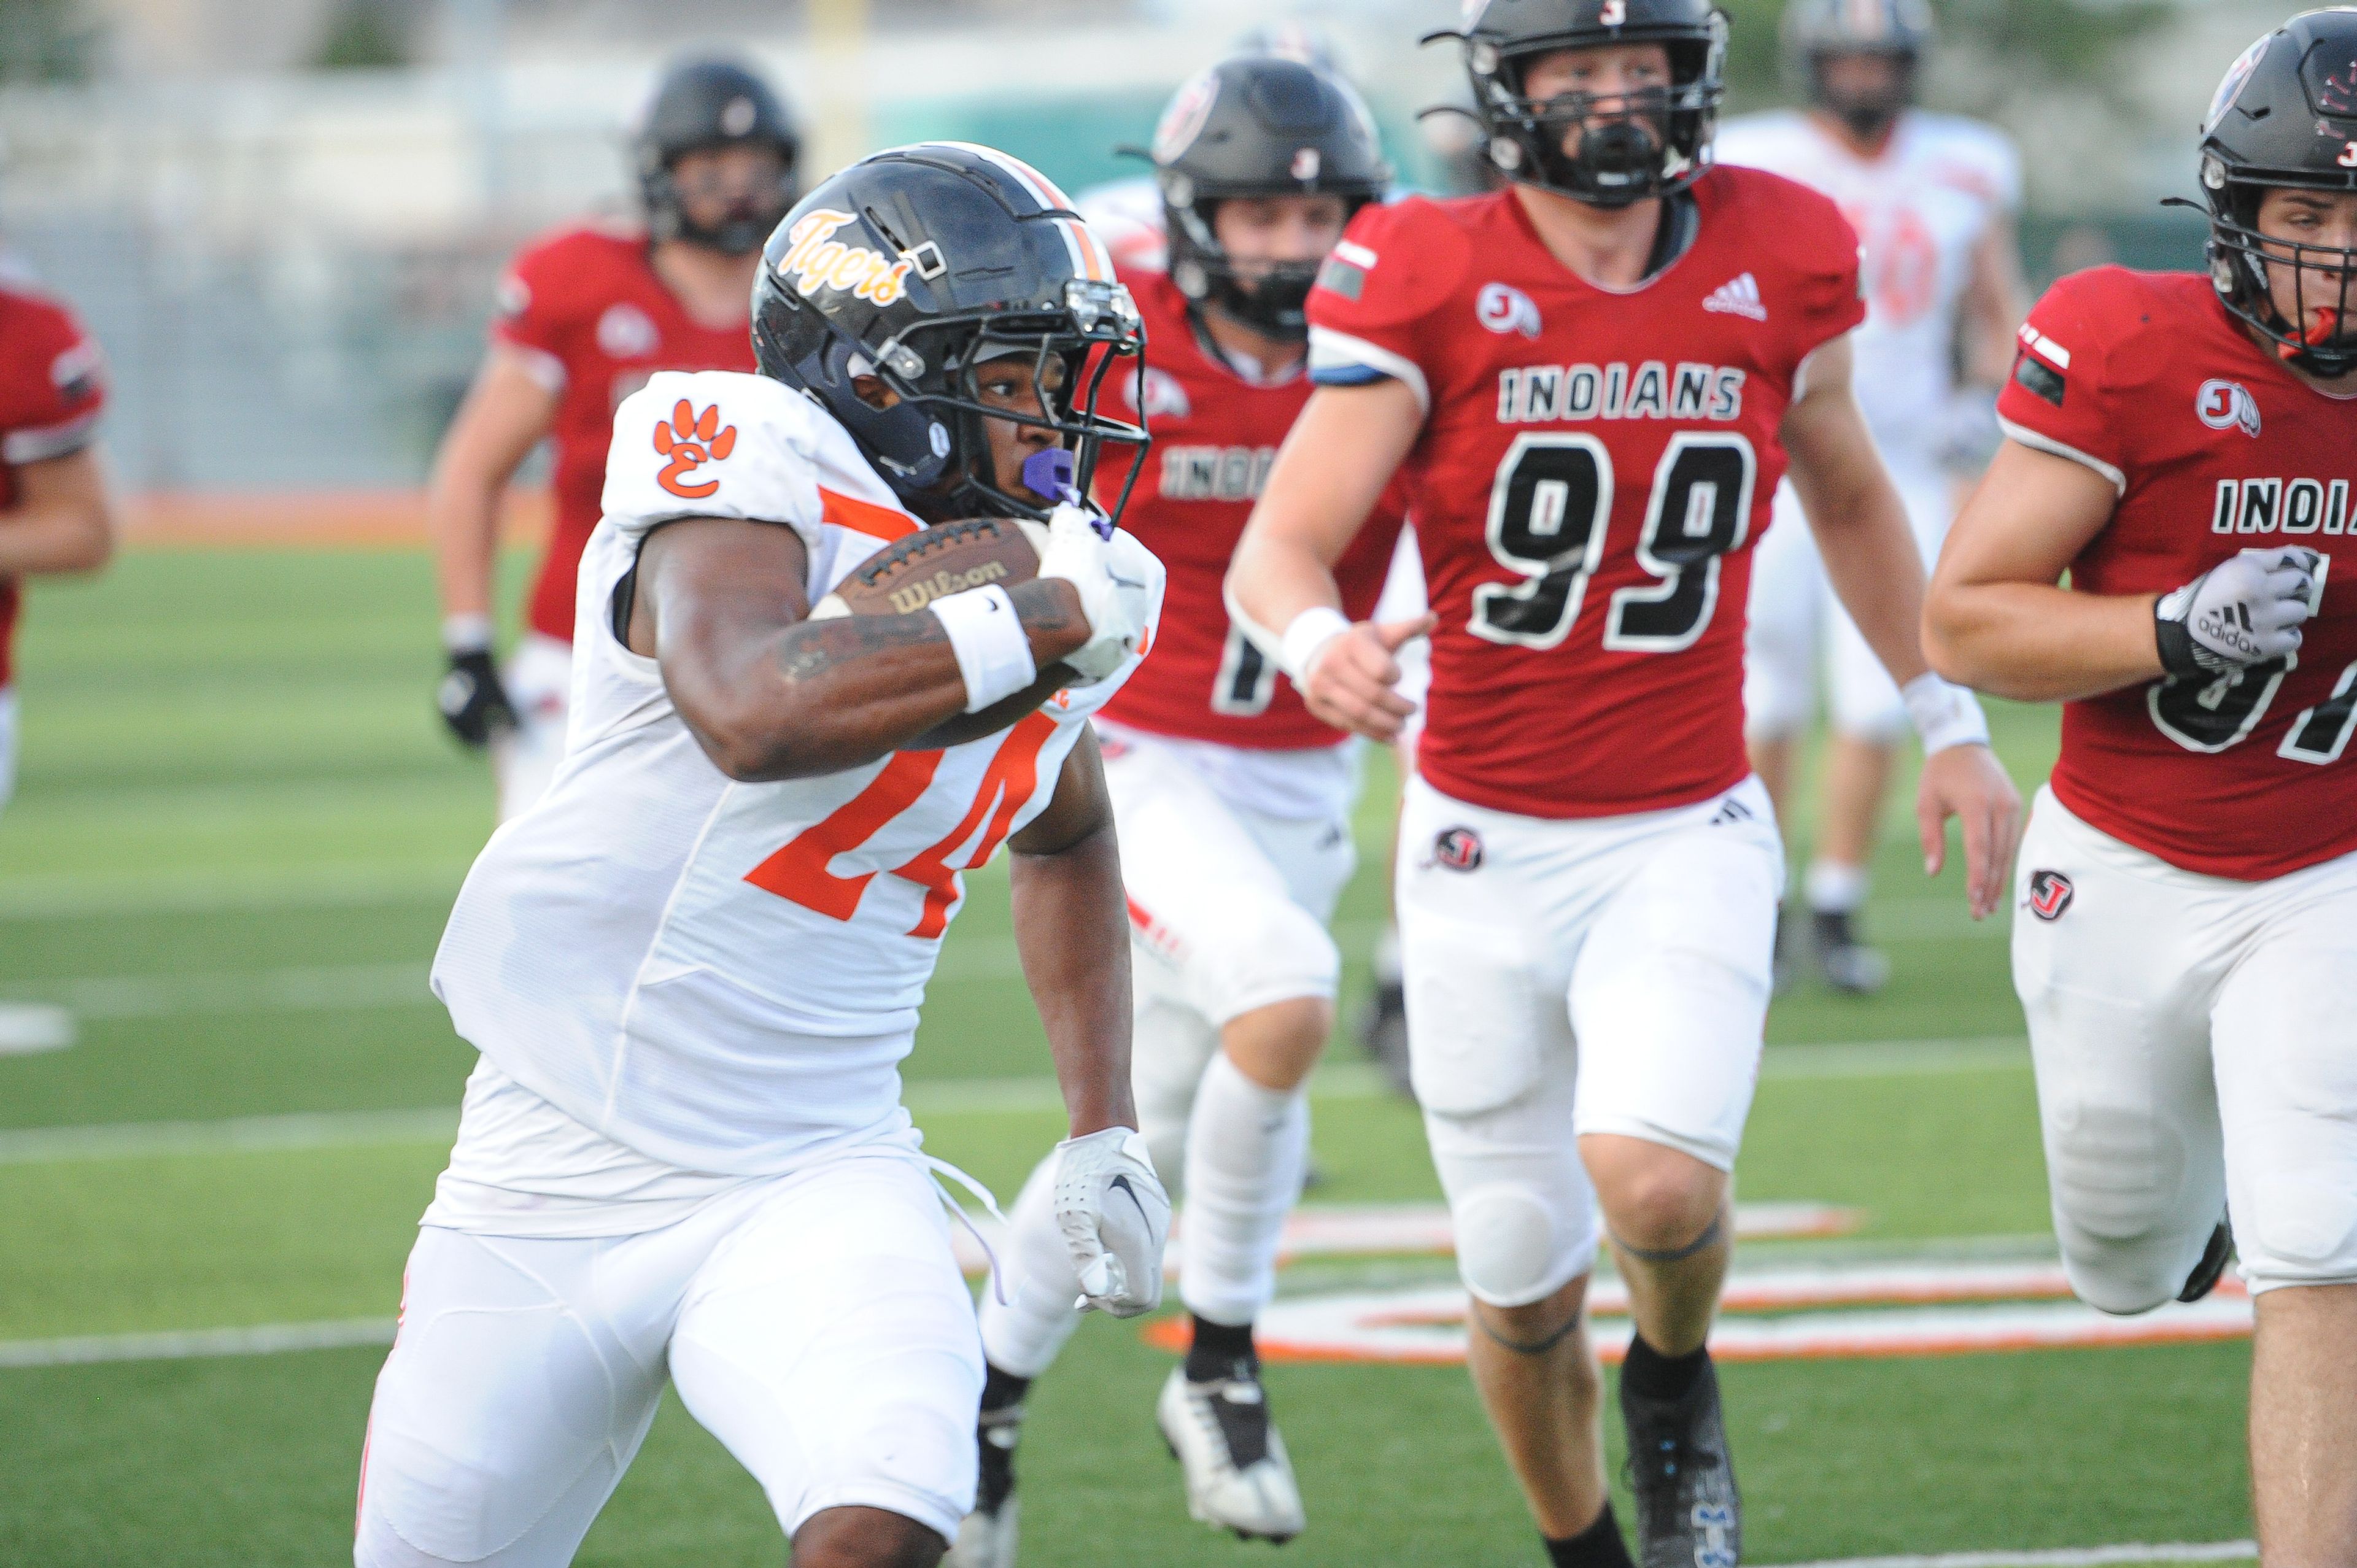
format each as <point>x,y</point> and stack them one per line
<point>240,825</point>
<point>283,217</point>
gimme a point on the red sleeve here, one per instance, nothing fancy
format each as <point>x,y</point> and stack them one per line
<point>52,384</point>
<point>538,310</point>
<point>1822,264</point>
<point>1371,315</point>
<point>2057,399</point>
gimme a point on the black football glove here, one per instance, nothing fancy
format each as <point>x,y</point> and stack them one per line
<point>472,701</point>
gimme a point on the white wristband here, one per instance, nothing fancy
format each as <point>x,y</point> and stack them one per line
<point>994,651</point>
<point>466,634</point>
<point>1307,638</point>
<point>1945,715</point>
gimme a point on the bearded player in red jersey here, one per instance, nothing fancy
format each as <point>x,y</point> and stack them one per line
<point>585,316</point>
<point>1233,802</point>
<point>2184,448</point>
<point>55,516</point>
<point>1592,382</point>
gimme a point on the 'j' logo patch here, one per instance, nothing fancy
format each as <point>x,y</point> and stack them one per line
<point>2049,894</point>
<point>1457,849</point>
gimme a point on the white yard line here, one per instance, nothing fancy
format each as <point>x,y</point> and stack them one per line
<point>264,1339</point>
<point>323,1130</point>
<point>2066,1557</point>
<point>940,1097</point>
<point>69,896</point>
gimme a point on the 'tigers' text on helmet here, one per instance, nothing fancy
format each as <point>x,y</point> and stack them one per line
<point>817,260</point>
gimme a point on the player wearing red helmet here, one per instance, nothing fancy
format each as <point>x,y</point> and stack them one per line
<point>1591,383</point>
<point>2184,447</point>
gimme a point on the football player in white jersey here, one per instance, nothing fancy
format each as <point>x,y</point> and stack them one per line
<point>693,968</point>
<point>1933,198</point>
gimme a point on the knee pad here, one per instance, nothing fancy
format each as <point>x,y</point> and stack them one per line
<point>1268,949</point>
<point>1515,1245</point>
<point>2116,1177</point>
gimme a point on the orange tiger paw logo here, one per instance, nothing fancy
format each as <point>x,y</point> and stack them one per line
<point>691,441</point>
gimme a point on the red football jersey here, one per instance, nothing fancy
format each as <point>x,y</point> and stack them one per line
<point>1595,467</point>
<point>1215,437</point>
<point>587,311</point>
<point>2215,448</point>
<point>52,385</point>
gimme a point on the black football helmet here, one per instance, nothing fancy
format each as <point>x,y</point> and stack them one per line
<point>1642,146</point>
<point>2285,116</point>
<point>1259,125</point>
<point>918,266</point>
<point>1902,31</point>
<point>704,103</point>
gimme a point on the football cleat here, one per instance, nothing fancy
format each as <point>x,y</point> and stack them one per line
<point>2212,1266</point>
<point>1382,1033</point>
<point>1689,1514</point>
<point>1238,1477</point>
<point>986,1538</point>
<point>1849,965</point>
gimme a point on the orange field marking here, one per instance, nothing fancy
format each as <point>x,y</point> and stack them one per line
<point>318,519</point>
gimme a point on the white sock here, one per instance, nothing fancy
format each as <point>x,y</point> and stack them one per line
<point>1836,889</point>
<point>1248,1148</point>
<point>1023,1335</point>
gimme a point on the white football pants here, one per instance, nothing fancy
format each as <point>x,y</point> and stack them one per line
<point>2196,1045</point>
<point>815,1323</point>
<point>539,682</point>
<point>1598,975</point>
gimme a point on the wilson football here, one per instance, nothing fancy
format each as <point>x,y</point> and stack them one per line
<point>949,558</point>
<point>913,572</point>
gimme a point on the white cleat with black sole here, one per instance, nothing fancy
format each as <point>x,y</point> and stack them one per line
<point>1238,1478</point>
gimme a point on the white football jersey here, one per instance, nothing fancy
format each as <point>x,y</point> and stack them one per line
<point>1920,209</point>
<point>721,975</point>
<point>1127,215</point>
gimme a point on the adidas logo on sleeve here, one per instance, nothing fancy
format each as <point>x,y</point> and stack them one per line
<point>1738,298</point>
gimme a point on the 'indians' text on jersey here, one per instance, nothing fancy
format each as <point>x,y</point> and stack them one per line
<point>593,321</point>
<point>1215,437</point>
<point>2215,447</point>
<point>1593,469</point>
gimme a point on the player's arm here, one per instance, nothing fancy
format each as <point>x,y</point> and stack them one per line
<point>1995,300</point>
<point>1334,466</point>
<point>1870,557</point>
<point>506,412</point>
<point>1071,932</point>
<point>720,604</point>
<point>1071,929</point>
<point>1996,618</point>
<point>62,518</point>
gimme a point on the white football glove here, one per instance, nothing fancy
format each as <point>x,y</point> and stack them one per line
<point>1115,1218</point>
<point>2244,611</point>
<point>1120,584</point>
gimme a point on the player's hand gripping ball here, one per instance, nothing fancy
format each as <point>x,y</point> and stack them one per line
<point>951,558</point>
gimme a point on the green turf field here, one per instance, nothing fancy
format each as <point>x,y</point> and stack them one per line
<point>238,831</point>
